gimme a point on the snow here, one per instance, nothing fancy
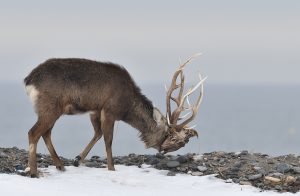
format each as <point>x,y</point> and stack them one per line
<point>126,180</point>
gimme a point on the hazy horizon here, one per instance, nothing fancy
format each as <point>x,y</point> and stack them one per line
<point>243,42</point>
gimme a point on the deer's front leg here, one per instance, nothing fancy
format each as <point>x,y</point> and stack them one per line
<point>107,124</point>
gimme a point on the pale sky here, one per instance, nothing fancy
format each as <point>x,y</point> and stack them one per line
<point>243,42</point>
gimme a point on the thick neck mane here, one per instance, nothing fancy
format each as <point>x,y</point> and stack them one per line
<point>140,116</point>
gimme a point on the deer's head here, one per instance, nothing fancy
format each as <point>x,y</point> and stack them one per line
<point>178,130</point>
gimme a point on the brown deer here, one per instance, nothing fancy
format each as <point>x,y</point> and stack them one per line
<point>108,93</point>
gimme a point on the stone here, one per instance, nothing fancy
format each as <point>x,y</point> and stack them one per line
<point>170,173</point>
<point>244,152</point>
<point>290,179</point>
<point>202,168</point>
<point>3,155</point>
<point>172,164</point>
<point>278,188</point>
<point>216,158</point>
<point>95,157</point>
<point>245,183</point>
<point>235,180</point>
<point>276,174</point>
<point>182,169</point>
<point>237,164</point>
<point>283,167</point>
<point>222,161</point>
<point>159,155</point>
<point>296,170</point>
<point>92,164</point>
<point>260,170</point>
<point>154,161</point>
<point>197,174</point>
<point>19,167</point>
<point>254,177</point>
<point>272,180</point>
<point>256,168</point>
<point>182,159</point>
<point>234,168</point>
<point>228,181</point>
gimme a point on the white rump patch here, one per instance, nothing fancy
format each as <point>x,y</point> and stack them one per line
<point>32,92</point>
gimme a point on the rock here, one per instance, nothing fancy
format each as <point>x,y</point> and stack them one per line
<point>235,180</point>
<point>254,177</point>
<point>222,161</point>
<point>290,179</point>
<point>202,168</point>
<point>198,157</point>
<point>278,188</point>
<point>182,159</point>
<point>3,155</point>
<point>260,170</point>
<point>170,173</point>
<point>19,167</point>
<point>92,164</point>
<point>237,164</point>
<point>296,170</point>
<point>160,155</point>
<point>216,158</point>
<point>95,157</point>
<point>272,180</point>
<point>220,153</point>
<point>244,152</point>
<point>154,161</point>
<point>228,181</point>
<point>245,183</point>
<point>234,169</point>
<point>197,174</point>
<point>183,169</point>
<point>283,167</point>
<point>172,164</point>
<point>256,168</point>
<point>276,175</point>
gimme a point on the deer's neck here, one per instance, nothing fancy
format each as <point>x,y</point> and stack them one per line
<point>140,116</point>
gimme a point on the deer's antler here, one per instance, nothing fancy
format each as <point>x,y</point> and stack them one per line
<point>182,99</point>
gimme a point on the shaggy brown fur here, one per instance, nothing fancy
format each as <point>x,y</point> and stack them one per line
<point>106,90</point>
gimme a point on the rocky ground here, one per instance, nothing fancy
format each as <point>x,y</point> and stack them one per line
<point>260,170</point>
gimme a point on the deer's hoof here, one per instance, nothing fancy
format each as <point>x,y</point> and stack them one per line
<point>111,169</point>
<point>61,168</point>
<point>33,175</point>
<point>76,161</point>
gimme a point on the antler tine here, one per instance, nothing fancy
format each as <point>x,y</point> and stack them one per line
<point>180,99</point>
<point>189,60</point>
<point>196,106</point>
<point>180,108</point>
<point>173,87</point>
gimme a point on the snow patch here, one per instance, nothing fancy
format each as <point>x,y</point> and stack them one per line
<point>126,180</point>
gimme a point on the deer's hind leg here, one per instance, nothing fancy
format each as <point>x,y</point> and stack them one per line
<point>44,123</point>
<point>95,120</point>
<point>56,160</point>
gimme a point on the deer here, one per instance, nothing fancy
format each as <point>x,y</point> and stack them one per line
<point>69,86</point>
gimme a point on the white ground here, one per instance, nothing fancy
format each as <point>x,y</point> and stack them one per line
<point>126,180</point>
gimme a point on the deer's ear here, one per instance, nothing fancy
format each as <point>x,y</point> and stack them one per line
<point>157,116</point>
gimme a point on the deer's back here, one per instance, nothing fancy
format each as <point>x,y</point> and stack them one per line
<point>80,85</point>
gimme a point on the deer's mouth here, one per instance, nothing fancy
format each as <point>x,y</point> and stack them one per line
<point>177,139</point>
<point>170,145</point>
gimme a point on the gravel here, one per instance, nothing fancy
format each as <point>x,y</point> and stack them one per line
<point>281,174</point>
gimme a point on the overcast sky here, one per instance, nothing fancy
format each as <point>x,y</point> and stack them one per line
<point>243,42</point>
